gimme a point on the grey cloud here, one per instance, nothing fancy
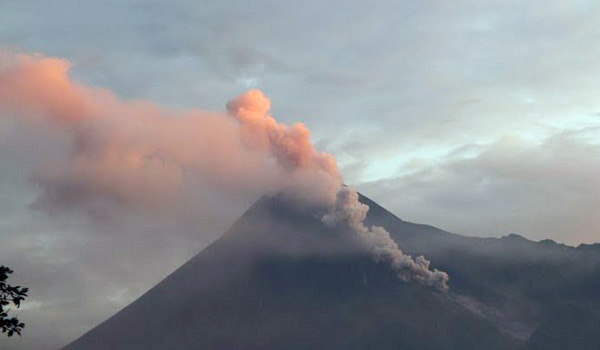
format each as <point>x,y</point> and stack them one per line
<point>545,190</point>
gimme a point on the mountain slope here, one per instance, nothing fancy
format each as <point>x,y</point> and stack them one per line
<point>279,279</point>
<point>523,287</point>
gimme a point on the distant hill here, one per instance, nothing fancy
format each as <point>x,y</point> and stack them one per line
<point>279,279</point>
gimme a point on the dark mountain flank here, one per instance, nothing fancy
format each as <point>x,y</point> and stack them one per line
<point>279,279</point>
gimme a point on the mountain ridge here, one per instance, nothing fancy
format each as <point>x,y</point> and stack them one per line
<point>280,279</point>
<point>294,284</point>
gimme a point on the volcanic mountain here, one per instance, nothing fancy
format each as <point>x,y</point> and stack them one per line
<point>280,279</point>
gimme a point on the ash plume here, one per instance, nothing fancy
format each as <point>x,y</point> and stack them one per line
<point>138,155</point>
<point>349,211</point>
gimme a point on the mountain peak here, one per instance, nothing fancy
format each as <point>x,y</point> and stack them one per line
<point>281,279</point>
<point>516,237</point>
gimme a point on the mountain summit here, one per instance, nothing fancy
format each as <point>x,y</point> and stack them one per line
<point>279,279</point>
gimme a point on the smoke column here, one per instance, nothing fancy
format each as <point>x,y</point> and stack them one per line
<point>349,211</point>
<point>141,156</point>
<point>291,147</point>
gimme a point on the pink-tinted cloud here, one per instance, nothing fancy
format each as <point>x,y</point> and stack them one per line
<point>135,154</point>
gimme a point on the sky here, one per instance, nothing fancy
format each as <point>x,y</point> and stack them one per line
<point>481,118</point>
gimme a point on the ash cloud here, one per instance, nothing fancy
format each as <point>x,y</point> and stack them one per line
<point>291,147</point>
<point>349,211</point>
<point>138,155</point>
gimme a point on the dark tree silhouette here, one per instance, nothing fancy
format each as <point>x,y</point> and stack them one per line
<point>10,295</point>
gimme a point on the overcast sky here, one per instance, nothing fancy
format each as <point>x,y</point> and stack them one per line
<point>481,118</point>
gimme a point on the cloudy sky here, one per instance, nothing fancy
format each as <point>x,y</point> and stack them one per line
<point>482,118</point>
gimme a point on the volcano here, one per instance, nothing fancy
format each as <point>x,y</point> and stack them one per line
<point>280,279</point>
